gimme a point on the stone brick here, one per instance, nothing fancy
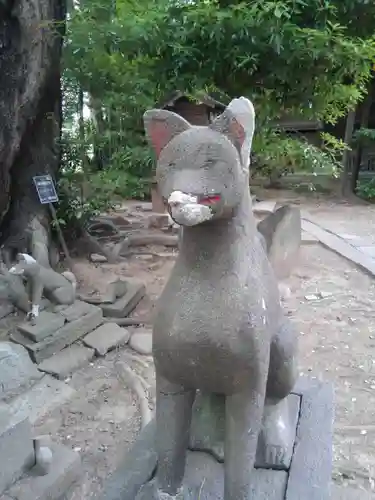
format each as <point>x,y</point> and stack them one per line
<point>67,335</point>
<point>67,361</point>
<point>16,448</point>
<point>44,326</point>
<point>65,470</point>
<point>141,341</point>
<point>107,337</point>
<point>17,371</point>
<point>126,304</point>
<point>42,398</point>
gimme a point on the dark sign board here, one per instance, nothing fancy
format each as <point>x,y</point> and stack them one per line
<point>46,189</point>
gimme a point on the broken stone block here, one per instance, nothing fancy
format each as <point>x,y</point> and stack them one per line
<point>281,231</point>
<point>16,448</point>
<point>44,325</point>
<point>65,469</point>
<point>67,361</point>
<point>17,371</point>
<point>67,335</point>
<point>107,337</point>
<point>42,398</point>
<point>125,305</point>
<point>141,342</point>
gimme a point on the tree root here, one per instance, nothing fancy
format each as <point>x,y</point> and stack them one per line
<point>132,380</point>
<point>95,247</point>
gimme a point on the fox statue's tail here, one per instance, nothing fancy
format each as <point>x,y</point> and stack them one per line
<point>71,278</point>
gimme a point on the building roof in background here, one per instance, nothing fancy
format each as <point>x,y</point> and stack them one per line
<point>202,98</point>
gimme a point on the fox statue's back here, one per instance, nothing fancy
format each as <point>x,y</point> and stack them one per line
<point>219,325</point>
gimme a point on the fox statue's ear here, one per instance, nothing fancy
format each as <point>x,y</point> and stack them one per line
<point>237,122</point>
<point>162,126</point>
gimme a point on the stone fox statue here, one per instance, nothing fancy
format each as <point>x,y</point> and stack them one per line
<point>59,288</point>
<point>219,326</point>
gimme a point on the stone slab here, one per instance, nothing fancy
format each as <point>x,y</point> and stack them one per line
<point>208,428</point>
<point>340,246</point>
<point>17,371</point>
<point>67,361</point>
<point>65,470</point>
<point>309,475</point>
<point>308,239</point>
<point>311,468</point>
<point>67,335</point>
<point>42,398</point>
<point>204,480</point>
<point>44,325</point>
<point>16,448</point>
<point>107,337</point>
<point>126,304</point>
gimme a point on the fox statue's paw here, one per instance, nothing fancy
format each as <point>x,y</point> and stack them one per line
<point>275,434</point>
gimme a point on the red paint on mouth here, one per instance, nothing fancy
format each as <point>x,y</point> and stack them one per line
<point>210,200</point>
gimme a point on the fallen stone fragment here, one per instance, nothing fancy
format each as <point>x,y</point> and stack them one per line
<point>141,342</point>
<point>107,337</point>
<point>125,305</point>
<point>96,258</point>
<point>67,361</point>
<point>17,371</point>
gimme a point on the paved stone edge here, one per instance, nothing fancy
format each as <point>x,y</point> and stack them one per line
<point>311,468</point>
<point>338,245</point>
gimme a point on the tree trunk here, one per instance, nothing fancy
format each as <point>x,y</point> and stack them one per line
<point>31,34</point>
<point>347,156</point>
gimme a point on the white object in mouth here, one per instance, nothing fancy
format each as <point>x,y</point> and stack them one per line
<point>186,210</point>
<point>28,258</point>
<point>35,310</point>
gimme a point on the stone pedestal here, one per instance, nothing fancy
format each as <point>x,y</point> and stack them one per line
<point>308,475</point>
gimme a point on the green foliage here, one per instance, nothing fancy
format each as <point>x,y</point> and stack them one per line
<point>305,58</point>
<point>366,189</point>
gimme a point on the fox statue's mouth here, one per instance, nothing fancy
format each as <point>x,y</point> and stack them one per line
<point>190,210</point>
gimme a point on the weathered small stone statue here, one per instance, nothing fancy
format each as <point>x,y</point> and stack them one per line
<point>59,288</point>
<point>219,325</point>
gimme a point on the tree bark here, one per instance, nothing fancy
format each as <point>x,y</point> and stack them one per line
<point>347,156</point>
<point>31,33</point>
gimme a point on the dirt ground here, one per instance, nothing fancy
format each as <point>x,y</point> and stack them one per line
<point>337,343</point>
